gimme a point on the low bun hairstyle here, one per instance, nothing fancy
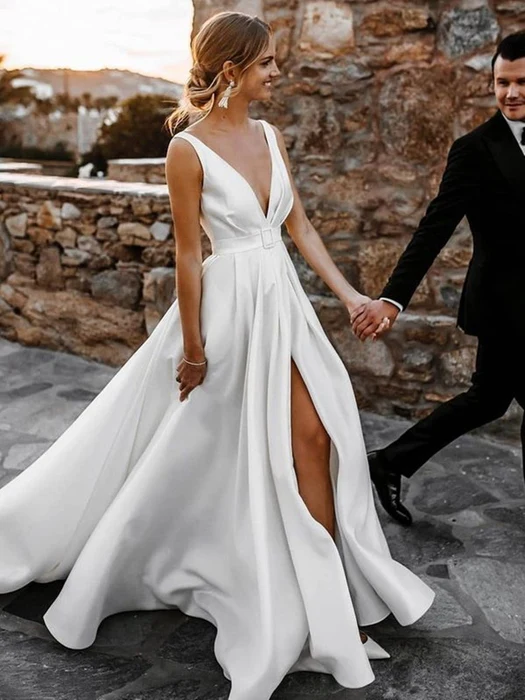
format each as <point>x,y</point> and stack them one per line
<point>227,36</point>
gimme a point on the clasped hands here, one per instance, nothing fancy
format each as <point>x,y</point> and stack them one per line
<point>370,318</point>
<point>373,318</point>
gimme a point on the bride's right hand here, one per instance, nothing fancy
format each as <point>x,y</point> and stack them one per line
<point>189,376</point>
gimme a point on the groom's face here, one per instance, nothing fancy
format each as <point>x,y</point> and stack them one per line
<point>509,87</point>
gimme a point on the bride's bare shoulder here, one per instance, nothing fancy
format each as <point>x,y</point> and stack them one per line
<point>181,157</point>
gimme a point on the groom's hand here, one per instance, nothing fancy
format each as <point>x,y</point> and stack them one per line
<point>373,319</point>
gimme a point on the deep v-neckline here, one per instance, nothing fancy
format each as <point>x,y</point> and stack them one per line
<point>241,176</point>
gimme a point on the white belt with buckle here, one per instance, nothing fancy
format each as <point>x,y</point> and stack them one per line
<point>266,238</point>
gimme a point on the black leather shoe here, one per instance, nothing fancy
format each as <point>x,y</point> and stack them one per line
<point>388,488</point>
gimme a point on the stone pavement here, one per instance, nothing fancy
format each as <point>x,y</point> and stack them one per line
<point>467,542</point>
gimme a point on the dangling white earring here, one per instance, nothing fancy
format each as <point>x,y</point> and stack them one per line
<point>223,102</point>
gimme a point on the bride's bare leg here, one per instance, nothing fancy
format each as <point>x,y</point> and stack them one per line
<point>311,454</point>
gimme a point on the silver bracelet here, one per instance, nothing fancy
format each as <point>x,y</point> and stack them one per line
<point>195,364</point>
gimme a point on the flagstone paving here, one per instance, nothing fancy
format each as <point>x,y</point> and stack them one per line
<point>467,542</point>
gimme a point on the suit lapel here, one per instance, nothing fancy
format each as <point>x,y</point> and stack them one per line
<point>506,152</point>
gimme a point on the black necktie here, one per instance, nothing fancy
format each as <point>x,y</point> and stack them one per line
<point>523,137</point>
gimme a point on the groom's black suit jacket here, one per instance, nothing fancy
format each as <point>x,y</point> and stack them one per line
<point>484,180</point>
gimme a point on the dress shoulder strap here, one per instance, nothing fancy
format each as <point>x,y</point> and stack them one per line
<point>198,147</point>
<point>271,137</point>
<point>270,133</point>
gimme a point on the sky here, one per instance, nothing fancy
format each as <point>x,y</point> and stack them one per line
<point>144,36</point>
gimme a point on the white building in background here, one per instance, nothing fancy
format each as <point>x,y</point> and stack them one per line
<point>88,124</point>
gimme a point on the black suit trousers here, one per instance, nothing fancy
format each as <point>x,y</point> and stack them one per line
<point>499,378</point>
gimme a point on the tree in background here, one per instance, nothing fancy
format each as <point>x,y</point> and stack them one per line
<point>9,93</point>
<point>105,102</point>
<point>44,105</point>
<point>139,130</point>
<point>65,102</point>
<point>87,100</point>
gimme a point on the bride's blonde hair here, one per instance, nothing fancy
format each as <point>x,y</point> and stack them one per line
<point>227,36</point>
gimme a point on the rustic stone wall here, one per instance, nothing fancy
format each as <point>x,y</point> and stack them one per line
<point>137,170</point>
<point>85,266</point>
<point>371,96</point>
<point>13,166</point>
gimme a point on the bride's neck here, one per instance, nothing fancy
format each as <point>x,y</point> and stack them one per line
<point>235,117</point>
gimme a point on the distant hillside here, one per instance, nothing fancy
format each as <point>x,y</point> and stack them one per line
<point>101,83</point>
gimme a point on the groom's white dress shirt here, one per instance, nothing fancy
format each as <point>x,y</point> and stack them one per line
<point>518,129</point>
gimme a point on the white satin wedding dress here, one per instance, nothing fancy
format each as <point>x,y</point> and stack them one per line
<point>147,503</point>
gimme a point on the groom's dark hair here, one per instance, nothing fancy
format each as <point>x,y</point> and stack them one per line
<point>510,48</point>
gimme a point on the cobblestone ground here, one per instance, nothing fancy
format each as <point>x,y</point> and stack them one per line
<point>467,542</point>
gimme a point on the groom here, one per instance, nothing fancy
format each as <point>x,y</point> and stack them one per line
<point>484,180</point>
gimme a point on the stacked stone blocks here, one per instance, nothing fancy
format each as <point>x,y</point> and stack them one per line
<point>76,261</point>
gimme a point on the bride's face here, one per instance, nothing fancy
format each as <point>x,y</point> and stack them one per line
<point>257,81</point>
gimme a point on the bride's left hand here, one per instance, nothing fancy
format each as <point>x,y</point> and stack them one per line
<point>357,308</point>
<point>357,304</point>
<point>373,319</point>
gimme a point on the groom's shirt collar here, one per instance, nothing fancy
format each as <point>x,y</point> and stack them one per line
<point>517,128</point>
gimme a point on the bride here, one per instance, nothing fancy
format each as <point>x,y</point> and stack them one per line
<point>222,471</point>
